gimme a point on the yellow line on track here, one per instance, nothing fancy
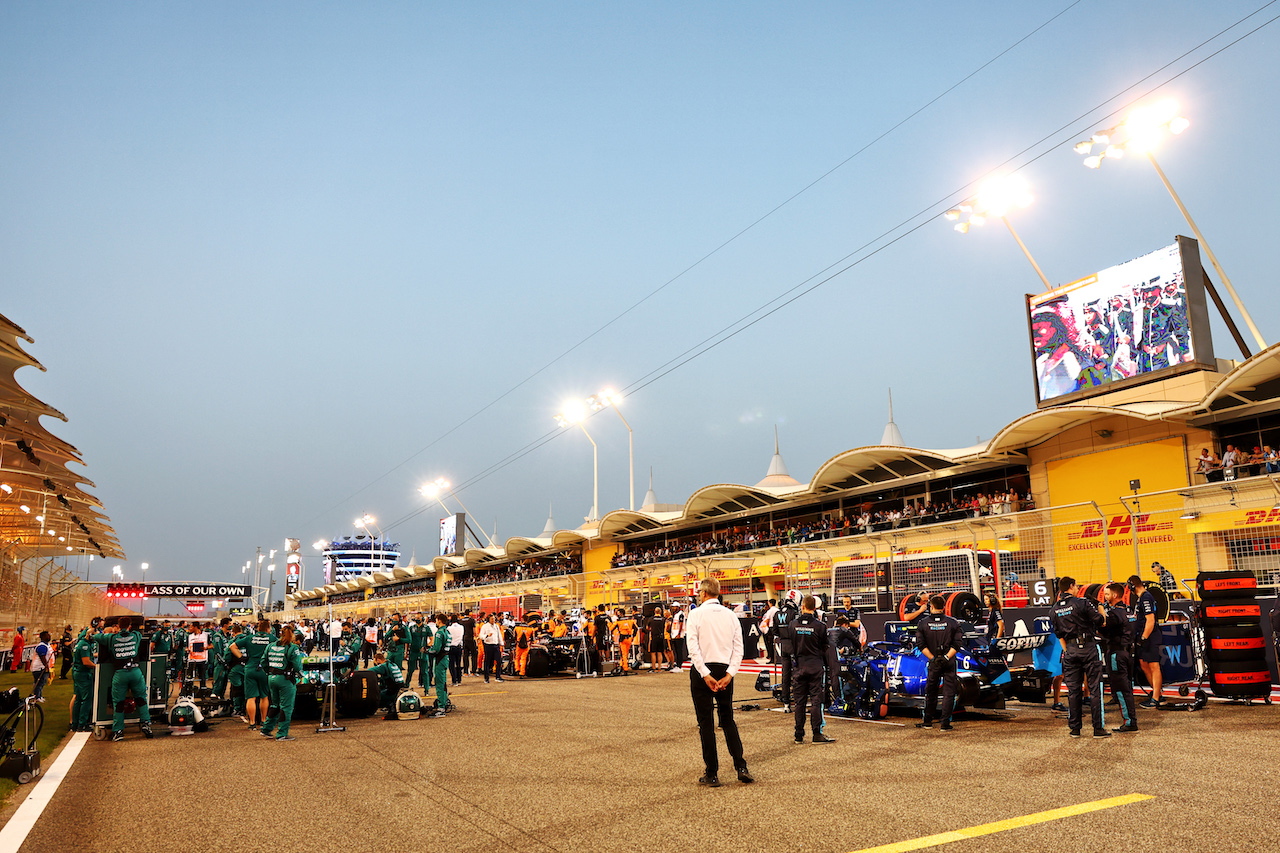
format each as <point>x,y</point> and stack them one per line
<point>1003,825</point>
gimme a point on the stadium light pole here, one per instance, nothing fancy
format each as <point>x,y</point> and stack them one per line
<point>433,489</point>
<point>366,521</point>
<point>1141,131</point>
<point>610,398</point>
<point>995,196</point>
<point>574,414</point>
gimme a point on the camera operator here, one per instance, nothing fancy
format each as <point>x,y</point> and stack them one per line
<point>938,638</point>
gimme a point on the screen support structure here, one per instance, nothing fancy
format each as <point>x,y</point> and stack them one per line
<point>329,708</point>
<point>1226,316</point>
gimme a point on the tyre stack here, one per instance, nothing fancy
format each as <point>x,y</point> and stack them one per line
<point>1235,649</point>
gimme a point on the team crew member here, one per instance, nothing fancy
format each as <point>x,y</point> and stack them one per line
<point>457,650</point>
<point>235,677</point>
<point>198,653</point>
<point>781,633</point>
<point>1117,638</point>
<point>370,641</point>
<point>715,650</point>
<point>1147,639</point>
<point>283,662</point>
<point>624,629</point>
<point>524,639</point>
<point>396,639</point>
<point>766,624</point>
<point>1076,622</point>
<point>417,637</point>
<point>837,638</point>
<point>679,649</point>
<point>439,654</point>
<point>126,647</point>
<point>657,631</point>
<point>162,642</point>
<point>251,646</point>
<point>82,666</point>
<point>809,637</point>
<point>491,639</point>
<point>939,638</point>
<point>470,651</point>
<point>390,680</point>
<point>995,616</point>
<point>218,646</point>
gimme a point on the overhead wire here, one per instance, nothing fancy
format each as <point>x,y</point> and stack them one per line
<point>745,322</point>
<point>655,291</point>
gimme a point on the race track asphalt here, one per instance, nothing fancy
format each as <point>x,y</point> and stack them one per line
<point>611,764</point>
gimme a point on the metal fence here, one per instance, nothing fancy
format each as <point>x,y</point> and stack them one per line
<point>40,593</point>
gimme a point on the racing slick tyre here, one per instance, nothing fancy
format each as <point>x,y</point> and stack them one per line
<point>964,606</point>
<point>1240,679</point>
<point>908,600</point>
<point>1223,643</point>
<point>1226,612</point>
<point>1093,592</point>
<point>1162,601</point>
<point>359,695</point>
<point>1233,583</point>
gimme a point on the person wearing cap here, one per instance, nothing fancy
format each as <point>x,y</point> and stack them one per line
<point>1146,639</point>
<point>1167,581</point>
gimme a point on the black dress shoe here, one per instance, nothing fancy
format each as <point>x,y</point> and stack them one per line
<point>744,776</point>
<point>821,738</point>
<point>1101,733</point>
<point>799,738</point>
<point>711,780</point>
<point>946,727</point>
<point>1126,728</point>
<point>924,724</point>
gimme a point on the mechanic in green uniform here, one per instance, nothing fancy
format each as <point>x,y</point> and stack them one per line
<point>283,663</point>
<point>390,680</point>
<point>126,647</point>
<point>82,664</point>
<point>251,646</point>
<point>397,636</point>
<point>235,676</point>
<point>439,654</point>
<point>218,643</point>
<point>418,636</point>
<point>349,645</point>
<point>179,653</point>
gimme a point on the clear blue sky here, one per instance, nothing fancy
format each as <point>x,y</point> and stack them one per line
<point>269,253</point>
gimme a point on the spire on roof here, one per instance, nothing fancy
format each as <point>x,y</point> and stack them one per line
<point>892,435</point>
<point>650,499</point>
<point>549,529</point>
<point>778,476</point>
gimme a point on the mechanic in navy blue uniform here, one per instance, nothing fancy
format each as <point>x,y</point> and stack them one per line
<point>839,637</point>
<point>1076,622</point>
<point>780,631</point>
<point>938,638</point>
<point>809,635</point>
<point>1117,639</point>
<point>1146,640</point>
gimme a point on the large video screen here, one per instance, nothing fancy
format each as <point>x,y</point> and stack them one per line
<point>1122,324</point>
<point>449,527</point>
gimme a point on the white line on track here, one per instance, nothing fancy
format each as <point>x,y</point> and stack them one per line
<point>15,831</point>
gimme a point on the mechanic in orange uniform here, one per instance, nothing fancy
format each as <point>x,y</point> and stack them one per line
<point>624,628</point>
<point>524,639</point>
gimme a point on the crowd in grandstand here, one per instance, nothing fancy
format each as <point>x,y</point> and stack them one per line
<point>869,520</point>
<point>512,572</point>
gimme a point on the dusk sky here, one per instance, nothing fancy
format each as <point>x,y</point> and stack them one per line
<point>286,262</point>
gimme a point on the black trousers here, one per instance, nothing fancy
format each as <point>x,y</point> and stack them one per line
<point>1081,661</point>
<point>470,658</point>
<point>704,702</point>
<point>455,664</point>
<point>941,673</point>
<point>785,659</point>
<point>809,693</point>
<point>492,660</point>
<point>679,650</point>
<point>66,664</point>
<point>1118,664</point>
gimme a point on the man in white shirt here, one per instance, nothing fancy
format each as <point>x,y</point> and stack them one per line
<point>714,638</point>
<point>766,622</point>
<point>335,635</point>
<point>456,633</point>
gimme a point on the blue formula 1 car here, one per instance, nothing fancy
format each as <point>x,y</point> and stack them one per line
<point>890,675</point>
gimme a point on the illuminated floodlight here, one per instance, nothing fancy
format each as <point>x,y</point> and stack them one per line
<point>1083,147</point>
<point>25,508</point>
<point>1093,162</point>
<point>6,488</point>
<point>319,544</point>
<point>962,227</point>
<point>998,195</point>
<point>573,412</point>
